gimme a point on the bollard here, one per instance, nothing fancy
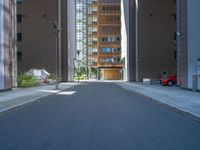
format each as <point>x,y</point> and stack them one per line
<point>194,83</point>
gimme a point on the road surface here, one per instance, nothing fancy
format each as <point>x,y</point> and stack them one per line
<point>97,116</point>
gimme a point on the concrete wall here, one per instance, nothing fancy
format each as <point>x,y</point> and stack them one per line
<point>133,49</point>
<point>152,46</point>
<point>38,38</point>
<point>13,44</point>
<point>71,38</point>
<point>182,43</point>
<point>64,44</point>
<point>1,45</point>
<point>188,22</point>
<point>193,39</point>
<point>38,44</point>
<point>125,36</point>
<point>7,44</point>
<point>156,38</point>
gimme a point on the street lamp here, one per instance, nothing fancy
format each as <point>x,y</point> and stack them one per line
<point>57,29</point>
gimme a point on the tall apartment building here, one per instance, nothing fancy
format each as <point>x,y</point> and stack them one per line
<point>37,39</point>
<point>7,44</point>
<point>106,35</point>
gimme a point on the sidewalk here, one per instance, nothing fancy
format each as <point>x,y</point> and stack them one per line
<point>184,100</point>
<point>18,97</point>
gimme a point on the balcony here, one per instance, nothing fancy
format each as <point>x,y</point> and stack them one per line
<point>111,64</point>
<point>110,53</point>
<point>109,13</point>
<point>111,44</point>
<point>110,8</point>
<point>109,1</point>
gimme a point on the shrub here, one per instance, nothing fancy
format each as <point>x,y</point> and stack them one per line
<point>52,77</point>
<point>81,77</point>
<point>25,81</point>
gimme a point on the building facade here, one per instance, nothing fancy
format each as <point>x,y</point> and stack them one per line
<point>37,39</point>
<point>163,38</point>
<point>152,39</point>
<point>7,44</point>
<point>108,56</point>
<point>98,37</point>
<point>157,38</point>
<point>71,37</point>
<point>188,22</point>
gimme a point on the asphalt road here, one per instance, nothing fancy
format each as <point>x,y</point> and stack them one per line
<point>99,116</point>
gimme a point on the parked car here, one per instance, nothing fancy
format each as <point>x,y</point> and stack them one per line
<point>168,80</point>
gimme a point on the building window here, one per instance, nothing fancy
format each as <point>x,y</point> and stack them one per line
<point>110,8</point>
<point>104,39</point>
<point>19,18</point>
<point>109,49</point>
<point>19,56</point>
<point>106,60</point>
<point>19,1</point>
<point>110,39</point>
<point>115,49</point>
<point>19,37</point>
<point>105,49</point>
<point>110,30</point>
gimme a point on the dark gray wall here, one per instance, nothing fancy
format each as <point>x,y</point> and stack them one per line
<point>157,27</point>
<point>132,41</point>
<point>38,44</point>
<point>38,39</point>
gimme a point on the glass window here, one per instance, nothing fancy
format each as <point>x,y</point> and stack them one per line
<point>19,18</point>
<point>105,49</point>
<point>19,56</point>
<point>19,1</point>
<point>19,37</point>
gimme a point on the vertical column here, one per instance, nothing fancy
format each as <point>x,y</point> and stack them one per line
<point>178,33</point>
<point>125,37</point>
<point>137,39</point>
<point>71,27</point>
<point>13,42</point>
<point>1,44</point>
